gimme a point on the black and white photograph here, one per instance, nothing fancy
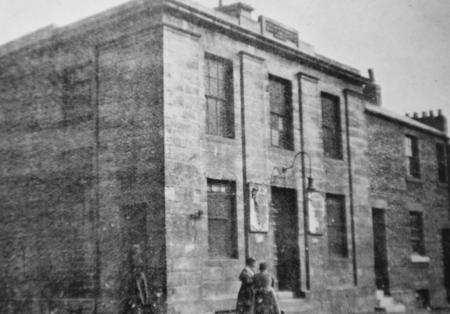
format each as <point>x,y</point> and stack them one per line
<point>224,156</point>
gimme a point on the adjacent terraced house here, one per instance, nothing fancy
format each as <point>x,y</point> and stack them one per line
<point>145,152</point>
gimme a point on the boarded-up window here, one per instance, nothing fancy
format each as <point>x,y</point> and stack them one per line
<point>441,162</point>
<point>331,126</point>
<point>222,219</point>
<point>337,228</point>
<point>219,96</point>
<point>76,106</point>
<point>412,156</point>
<point>280,112</point>
<point>416,236</point>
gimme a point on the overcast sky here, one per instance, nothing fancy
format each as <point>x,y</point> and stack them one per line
<point>406,42</point>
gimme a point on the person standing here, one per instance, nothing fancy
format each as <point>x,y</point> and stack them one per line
<point>244,303</point>
<point>265,299</point>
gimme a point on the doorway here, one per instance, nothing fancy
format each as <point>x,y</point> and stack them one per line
<point>284,217</point>
<point>380,250</point>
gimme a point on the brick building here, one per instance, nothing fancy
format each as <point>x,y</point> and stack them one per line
<point>165,140</point>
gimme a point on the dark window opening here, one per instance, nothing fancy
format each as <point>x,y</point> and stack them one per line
<point>337,227</point>
<point>416,235</point>
<point>281,113</point>
<point>219,96</point>
<point>441,162</point>
<point>412,156</point>
<point>423,298</point>
<point>331,126</point>
<point>222,232</point>
<point>77,105</point>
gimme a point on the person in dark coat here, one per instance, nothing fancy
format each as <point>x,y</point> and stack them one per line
<point>244,303</point>
<point>265,299</point>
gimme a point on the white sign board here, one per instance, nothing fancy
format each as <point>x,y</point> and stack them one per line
<point>316,213</point>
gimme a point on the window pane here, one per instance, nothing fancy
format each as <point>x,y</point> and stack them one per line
<point>416,233</point>
<point>408,147</point>
<point>218,238</point>
<point>211,108</point>
<point>221,219</point>
<point>442,163</point>
<point>281,112</point>
<point>337,230</point>
<point>331,128</point>
<point>218,86</point>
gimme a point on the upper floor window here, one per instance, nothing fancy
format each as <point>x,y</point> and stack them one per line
<point>331,126</point>
<point>416,234</point>
<point>219,96</point>
<point>76,106</point>
<point>281,112</point>
<point>412,156</point>
<point>336,225</point>
<point>441,162</point>
<point>222,231</point>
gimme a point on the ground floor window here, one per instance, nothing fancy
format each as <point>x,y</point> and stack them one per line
<point>222,237</point>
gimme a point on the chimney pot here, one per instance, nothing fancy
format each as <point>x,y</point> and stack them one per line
<point>415,115</point>
<point>371,75</point>
<point>439,112</point>
<point>407,114</point>
<point>431,113</point>
<point>424,114</point>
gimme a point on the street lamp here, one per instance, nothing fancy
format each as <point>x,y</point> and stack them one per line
<point>310,187</point>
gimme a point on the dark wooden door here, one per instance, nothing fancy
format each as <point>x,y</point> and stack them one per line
<point>285,224</point>
<point>380,250</point>
<point>446,257</point>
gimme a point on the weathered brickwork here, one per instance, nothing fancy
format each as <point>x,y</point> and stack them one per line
<point>105,163</point>
<point>392,190</point>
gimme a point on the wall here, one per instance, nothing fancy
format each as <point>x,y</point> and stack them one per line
<point>79,194</point>
<point>197,283</point>
<point>392,190</point>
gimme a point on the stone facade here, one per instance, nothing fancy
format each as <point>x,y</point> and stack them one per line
<point>105,165</point>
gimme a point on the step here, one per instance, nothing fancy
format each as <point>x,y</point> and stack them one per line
<point>296,306</point>
<point>282,295</point>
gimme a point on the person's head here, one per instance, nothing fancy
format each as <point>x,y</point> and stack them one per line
<point>262,267</point>
<point>250,262</point>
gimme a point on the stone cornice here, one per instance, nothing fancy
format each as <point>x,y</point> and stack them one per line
<point>93,27</point>
<point>237,32</point>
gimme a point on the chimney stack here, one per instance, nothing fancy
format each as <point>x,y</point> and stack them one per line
<point>372,90</point>
<point>438,121</point>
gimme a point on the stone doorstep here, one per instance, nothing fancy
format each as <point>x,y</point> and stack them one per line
<point>289,304</point>
<point>388,303</point>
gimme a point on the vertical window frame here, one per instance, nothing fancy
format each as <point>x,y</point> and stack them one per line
<point>284,122</point>
<point>332,130</point>
<point>342,243</point>
<point>219,101</point>
<point>442,163</point>
<point>231,220</point>
<point>75,80</point>
<point>417,236</point>
<point>412,153</point>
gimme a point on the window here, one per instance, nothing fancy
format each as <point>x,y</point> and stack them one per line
<point>219,96</point>
<point>336,223</point>
<point>77,94</point>
<point>331,126</point>
<point>412,155</point>
<point>280,113</point>
<point>416,235</point>
<point>441,162</point>
<point>222,237</point>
